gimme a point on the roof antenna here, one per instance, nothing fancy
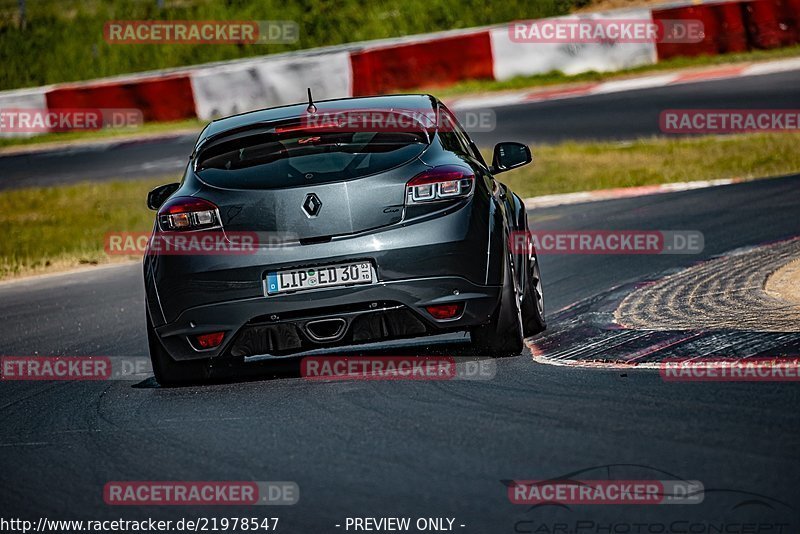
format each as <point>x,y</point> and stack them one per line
<point>311,107</point>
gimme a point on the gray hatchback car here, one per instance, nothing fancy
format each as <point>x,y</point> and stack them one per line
<point>336,223</point>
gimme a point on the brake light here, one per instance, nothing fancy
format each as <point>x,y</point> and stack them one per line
<point>444,311</point>
<point>209,341</point>
<point>188,213</point>
<point>440,183</point>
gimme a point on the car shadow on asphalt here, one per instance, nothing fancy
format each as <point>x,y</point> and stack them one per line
<point>288,367</point>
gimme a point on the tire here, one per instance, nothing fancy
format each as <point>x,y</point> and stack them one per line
<point>502,336</point>
<point>533,321</point>
<point>169,372</point>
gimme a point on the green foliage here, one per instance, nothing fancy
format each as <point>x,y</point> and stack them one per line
<point>62,40</point>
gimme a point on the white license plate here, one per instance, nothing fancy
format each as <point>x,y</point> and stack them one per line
<point>314,277</point>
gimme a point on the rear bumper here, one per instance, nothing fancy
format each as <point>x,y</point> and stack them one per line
<point>454,242</point>
<point>279,324</point>
<point>453,256</point>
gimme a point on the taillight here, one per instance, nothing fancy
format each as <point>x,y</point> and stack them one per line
<point>444,311</point>
<point>188,213</point>
<point>440,183</point>
<point>209,341</point>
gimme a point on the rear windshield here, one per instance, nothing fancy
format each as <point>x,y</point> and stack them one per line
<point>291,156</point>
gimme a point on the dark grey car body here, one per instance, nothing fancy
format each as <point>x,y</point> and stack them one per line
<point>453,251</point>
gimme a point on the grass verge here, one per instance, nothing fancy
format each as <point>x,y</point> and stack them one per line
<point>55,228</point>
<point>573,166</point>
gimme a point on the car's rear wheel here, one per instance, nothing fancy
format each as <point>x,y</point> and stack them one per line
<point>533,320</point>
<point>169,372</point>
<point>502,336</point>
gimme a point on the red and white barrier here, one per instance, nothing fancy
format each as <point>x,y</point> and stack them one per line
<point>513,58</point>
<point>160,98</point>
<point>24,99</point>
<point>216,90</point>
<point>236,88</point>
<point>437,61</point>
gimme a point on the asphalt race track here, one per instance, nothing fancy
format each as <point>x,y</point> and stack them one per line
<point>409,448</point>
<point>420,448</point>
<point>616,116</point>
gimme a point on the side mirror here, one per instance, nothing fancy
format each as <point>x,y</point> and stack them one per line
<point>509,156</point>
<point>160,194</point>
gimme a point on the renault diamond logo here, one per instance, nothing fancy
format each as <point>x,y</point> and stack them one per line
<point>312,205</point>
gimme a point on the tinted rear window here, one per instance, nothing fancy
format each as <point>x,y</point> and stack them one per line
<point>295,156</point>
